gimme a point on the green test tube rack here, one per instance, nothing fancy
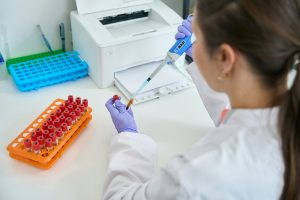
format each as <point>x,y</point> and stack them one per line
<point>11,61</point>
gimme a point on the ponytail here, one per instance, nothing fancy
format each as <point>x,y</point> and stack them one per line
<point>289,126</point>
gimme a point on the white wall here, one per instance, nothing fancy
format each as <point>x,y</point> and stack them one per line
<point>20,18</point>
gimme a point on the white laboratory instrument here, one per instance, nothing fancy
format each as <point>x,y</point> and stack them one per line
<point>123,41</point>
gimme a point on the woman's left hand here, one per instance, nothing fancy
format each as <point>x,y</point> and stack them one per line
<point>123,119</point>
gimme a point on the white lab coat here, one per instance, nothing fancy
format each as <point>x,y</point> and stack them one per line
<point>240,159</point>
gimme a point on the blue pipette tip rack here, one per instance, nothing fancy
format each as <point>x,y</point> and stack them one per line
<point>50,70</point>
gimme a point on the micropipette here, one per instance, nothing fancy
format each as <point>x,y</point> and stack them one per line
<point>44,38</point>
<point>179,48</point>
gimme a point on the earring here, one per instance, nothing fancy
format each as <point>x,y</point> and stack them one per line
<point>220,78</point>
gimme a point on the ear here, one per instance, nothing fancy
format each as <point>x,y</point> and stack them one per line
<point>227,57</point>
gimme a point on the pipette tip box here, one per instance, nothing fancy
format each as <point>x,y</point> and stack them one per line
<point>43,142</point>
<point>58,68</point>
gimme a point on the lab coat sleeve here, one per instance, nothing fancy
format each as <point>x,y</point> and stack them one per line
<point>132,163</point>
<point>214,102</point>
<point>131,171</point>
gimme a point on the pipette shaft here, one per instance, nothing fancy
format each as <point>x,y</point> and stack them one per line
<point>179,48</point>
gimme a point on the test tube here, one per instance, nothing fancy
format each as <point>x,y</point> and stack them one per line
<point>62,119</point>
<point>70,108</point>
<point>115,97</point>
<point>70,98</point>
<point>85,102</point>
<point>45,126</point>
<point>64,128</point>
<point>36,147</point>
<point>69,122</point>
<point>58,112</point>
<point>53,116</point>
<point>46,134</point>
<point>62,107</point>
<point>78,100</point>
<point>82,108</point>
<point>33,137</point>
<point>41,141</point>
<point>27,144</point>
<point>67,113</point>
<point>57,123</point>
<point>67,102</point>
<point>59,133</point>
<point>51,129</point>
<point>48,144</point>
<point>73,117</point>
<point>39,132</point>
<point>49,121</point>
<point>78,113</point>
<point>74,104</point>
<point>53,138</point>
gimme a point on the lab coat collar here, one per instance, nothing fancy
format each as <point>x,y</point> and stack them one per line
<point>252,117</point>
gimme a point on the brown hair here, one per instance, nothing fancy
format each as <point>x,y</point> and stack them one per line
<point>267,33</point>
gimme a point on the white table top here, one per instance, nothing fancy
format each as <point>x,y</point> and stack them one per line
<point>175,122</point>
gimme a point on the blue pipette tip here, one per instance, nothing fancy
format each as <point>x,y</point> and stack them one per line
<point>169,62</point>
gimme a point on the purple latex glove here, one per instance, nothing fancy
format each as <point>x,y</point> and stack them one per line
<point>123,119</point>
<point>185,30</point>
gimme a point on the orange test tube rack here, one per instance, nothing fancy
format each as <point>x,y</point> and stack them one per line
<point>45,158</point>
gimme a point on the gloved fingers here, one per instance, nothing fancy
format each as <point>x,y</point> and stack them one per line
<point>188,25</point>
<point>120,106</point>
<point>179,35</point>
<point>184,30</point>
<point>110,107</point>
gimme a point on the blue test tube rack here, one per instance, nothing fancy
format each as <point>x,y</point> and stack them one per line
<point>50,70</point>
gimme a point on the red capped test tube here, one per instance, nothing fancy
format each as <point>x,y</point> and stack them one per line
<point>53,138</point>
<point>70,108</point>
<point>36,147</point>
<point>53,116</point>
<point>85,102</point>
<point>49,121</point>
<point>45,126</point>
<point>81,107</point>
<point>78,100</point>
<point>58,112</point>
<point>62,107</point>
<point>74,104</point>
<point>59,133</point>
<point>115,97</point>
<point>57,123</point>
<point>27,144</point>
<point>39,132</point>
<point>69,122</point>
<point>67,102</point>
<point>62,119</point>
<point>46,134</point>
<point>41,141</point>
<point>51,129</point>
<point>48,144</point>
<point>73,117</point>
<point>33,137</point>
<point>67,113</point>
<point>64,127</point>
<point>78,113</point>
<point>70,98</point>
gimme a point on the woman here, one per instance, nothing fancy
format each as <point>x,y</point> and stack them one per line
<point>249,50</point>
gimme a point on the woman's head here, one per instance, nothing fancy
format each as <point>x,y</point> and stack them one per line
<point>258,38</point>
<point>265,32</point>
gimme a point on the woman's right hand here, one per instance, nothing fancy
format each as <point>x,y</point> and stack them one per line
<point>185,30</point>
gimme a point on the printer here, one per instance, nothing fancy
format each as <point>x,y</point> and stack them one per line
<point>123,41</point>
